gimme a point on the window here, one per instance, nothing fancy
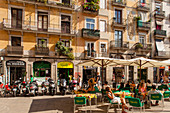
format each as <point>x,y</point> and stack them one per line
<point>15,41</point>
<point>103,47</point>
<point>42,21</point>
<point>90,23</point>
<point>118,16</point>
<point>118,38</point>
<point>103,4</point>
<point>16,18</point>
<point>142,1</point>
<point>66,43</point>
<point>66,2</point>
<point>90,49</point>
<point>102,25</point>
<point>42,42</point>
<point>158,27</point>
<point>142,40</point>
<point>158,8</point>
<point>65,24</point>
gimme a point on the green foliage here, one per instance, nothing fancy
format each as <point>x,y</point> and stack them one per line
<point>139,46</point>
<point>91,6</point>
<point>65,51</point>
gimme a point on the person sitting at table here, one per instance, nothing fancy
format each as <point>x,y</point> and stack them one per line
<point>132,85</point>
<point>105,85</point>
<point>116,99</point>
<point>128,84</point>
<point>142,90</point>
<point>91,83</point>
<point>148,83</point>
<point>121,86</point>
<point>154,91</point>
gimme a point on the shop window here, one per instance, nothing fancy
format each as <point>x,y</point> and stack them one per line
<point>16,18</point>
<point>103,48</point>
<point>42,69</point>
<point>42,21</point>
<point>90,23</point>
<point>65,24</point>
<point>42,42</point>
<point>16,41</point>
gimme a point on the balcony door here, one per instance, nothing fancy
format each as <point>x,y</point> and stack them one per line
<point>16,18</point>
<point>142,40</point>
<point>66,2</point>
<point>118,16</point>
<point>90,49</point>
<point>42,21</point>
<point>15,41</point>
<point>42,42</point>
<point>118,38</point>
<point>65,24</point>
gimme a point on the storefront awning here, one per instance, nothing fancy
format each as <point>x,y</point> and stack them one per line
<point>65,65</point>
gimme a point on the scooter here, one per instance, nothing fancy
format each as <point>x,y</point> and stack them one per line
<point>51,87</point>
<point>7,89</point>
<point>25,90</point>
<point>43,88</point>
<point>34,88</point>
<point>73,85</point>
<point>63,86</point>
<point>16,88</point>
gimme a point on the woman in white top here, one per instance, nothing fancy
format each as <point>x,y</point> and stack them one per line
<point>116,99</point>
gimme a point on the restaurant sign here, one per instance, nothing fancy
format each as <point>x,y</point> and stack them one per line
<point>15,63</point>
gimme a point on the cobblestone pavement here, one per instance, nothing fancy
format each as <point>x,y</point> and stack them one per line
<point>53,104</point>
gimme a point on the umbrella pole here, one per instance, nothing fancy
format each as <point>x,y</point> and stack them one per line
<point>102,79</point>
<point>140,69</point>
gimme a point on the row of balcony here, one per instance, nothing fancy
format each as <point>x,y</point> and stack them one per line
<point>48,3</point>
<point>115,47</point>
<point>37,27</point>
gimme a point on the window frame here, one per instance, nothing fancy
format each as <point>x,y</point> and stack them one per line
<point>105,25</point>
<point>105,47</point>
<point>94,22</point>
<point>118,38</point>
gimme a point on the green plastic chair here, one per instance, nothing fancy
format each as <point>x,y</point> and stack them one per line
<point>157,97</point>
<point>164,86</point>
<point>136,103</point>
<point>160,87</point>
<point>118,86</point>
<point>149,88</point>
<point>110,101</point>
<point>167,94</point>
<point>79,101</point>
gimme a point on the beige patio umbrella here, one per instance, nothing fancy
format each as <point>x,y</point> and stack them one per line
<point>144,62</point>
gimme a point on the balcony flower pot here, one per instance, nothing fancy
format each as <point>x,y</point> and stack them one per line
<point>138,46</point>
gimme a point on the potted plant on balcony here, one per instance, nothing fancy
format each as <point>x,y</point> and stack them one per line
<point>138,46</point>
<point>64,51</point>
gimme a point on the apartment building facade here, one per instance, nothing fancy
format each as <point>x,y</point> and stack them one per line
<point>47,38</point>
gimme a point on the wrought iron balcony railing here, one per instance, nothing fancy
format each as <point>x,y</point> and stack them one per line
<point>160,32</point>
<point>114,44</point>
<point>41,50</point>
<point>18,50</point>
<point>90,33</point>
<point>143,6</point>
<point>119,3</point>
<point>32,26</point>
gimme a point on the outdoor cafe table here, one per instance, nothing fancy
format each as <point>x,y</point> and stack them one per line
<point>120,93</point>
<point>88,97</point>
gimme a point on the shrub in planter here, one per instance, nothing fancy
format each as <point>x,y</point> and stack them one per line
<point>139,46</point>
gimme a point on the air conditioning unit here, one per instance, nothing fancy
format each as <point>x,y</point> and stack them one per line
<point>103,49</point>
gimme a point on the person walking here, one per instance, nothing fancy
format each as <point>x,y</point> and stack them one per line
<point>79,81</point>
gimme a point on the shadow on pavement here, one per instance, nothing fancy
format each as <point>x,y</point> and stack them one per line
<point>61,104</point>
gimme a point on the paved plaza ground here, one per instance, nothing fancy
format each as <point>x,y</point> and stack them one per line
<point>53,104</point>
